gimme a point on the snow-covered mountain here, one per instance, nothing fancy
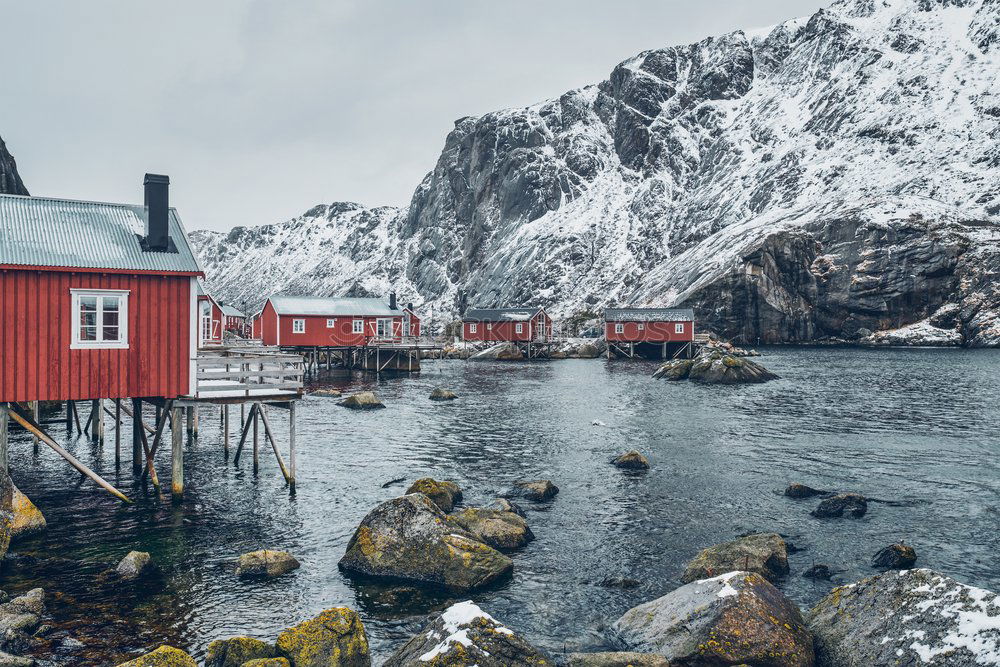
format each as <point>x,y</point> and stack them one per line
<point>832,176</point>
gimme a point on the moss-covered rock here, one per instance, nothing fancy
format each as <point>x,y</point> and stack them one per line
<point>28,519</point>
<point>631,460</point>
<point>365,400</point>
<point>442,394</point>
<point>732,619</point>
<point>896,557</point>
<point>236,651</point>
<point>616,659</point>
<point>464,635</point>
<point>763,553</point>
<point>717,367</point>
<point>164,656</point>
<point>267,662</point>
<point>537,490</point>
<point>335,638</point>
<point>497,528</point>
<point>444,494</point>
<point>676,369</point>
<point>505,505</point>
<point>134,565</point>
<point>266,563</point>
<point>410,538</point>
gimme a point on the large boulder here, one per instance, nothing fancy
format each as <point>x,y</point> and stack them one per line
<point>538,490</point>
<point>851,504</point>
<point>909,617</point>
<point>731,619</point>
<point>335,638</point>
<point>410,538</point>
<point>464,635</point>
<point>631,460</point>
<point>676,369</point>
<point>501,352</point>
<point>236,651</point>
<point>266,563</point>
<point>364,400</point>
<point>28,519</point>
<point>21,616</point>
<point>164,656</point>
<point>716,367</point>
<point>497,528</point>
<point>616,659</point>
<point>895,557</point>
<point>763,553</point>
<point>134,565</point>
<point>444,494</point>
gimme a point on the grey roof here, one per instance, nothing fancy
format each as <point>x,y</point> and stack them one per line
<point>229,311</point>
<point>332,306</point>
<point>501,314</point>
<point>649,315</point>
<point>40,231</point>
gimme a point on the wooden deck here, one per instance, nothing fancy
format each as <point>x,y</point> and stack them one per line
<point>230,374</point>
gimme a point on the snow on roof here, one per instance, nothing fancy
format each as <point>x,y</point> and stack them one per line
<point>332,306</point>
<point>41,231</point>
<point>501,314</point>
<point>649,315</point>
<point>229,311</point>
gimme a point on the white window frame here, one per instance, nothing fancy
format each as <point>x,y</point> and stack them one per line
<point>642,326</point>
<point>298,326</point>
<point>100,344</point>
<point>489,326</point>
<point>619,327</point>
<point>679,327</point>
<point>519,327</point>
<point>330,323</point>
<point>473,327</point>
<point>358,327</point>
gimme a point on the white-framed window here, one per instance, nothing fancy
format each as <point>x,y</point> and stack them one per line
<point>359,326</point>
<point>519,328</point>
<point>100,319</point>
<point>330,322</point>
<point>679,327</point>
<point>489,326</point>
<point>619,327</point>
<point>298,326</point>
<point>642,326</point>
<point>473,327</point>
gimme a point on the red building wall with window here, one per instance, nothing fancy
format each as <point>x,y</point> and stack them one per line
<point>36,359</point>
<point>281,330</point>
<point>649,332</point>
<point>210,332</point>
<point>537,328</point>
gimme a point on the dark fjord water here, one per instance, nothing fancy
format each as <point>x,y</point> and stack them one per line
<point>920,428</point>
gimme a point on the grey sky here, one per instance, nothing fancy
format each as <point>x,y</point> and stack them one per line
<point>259,109</point>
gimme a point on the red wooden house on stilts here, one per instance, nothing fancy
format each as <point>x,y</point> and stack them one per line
<point>652,333</point>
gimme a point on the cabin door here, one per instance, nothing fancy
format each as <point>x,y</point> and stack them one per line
<point>383,329</point>
<point>406,325</point>
<point>206,323</point>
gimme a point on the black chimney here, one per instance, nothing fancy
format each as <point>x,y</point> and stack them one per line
<point>157,203</point>
<point>409,306</point>
<point>392,301</point>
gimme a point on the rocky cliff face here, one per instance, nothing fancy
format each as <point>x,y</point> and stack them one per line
<point>10,180</point>
<point>829,177</point>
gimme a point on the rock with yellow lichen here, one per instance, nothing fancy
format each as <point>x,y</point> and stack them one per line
<point>267,662</point>
<point>738,617</point>
<point>444,494</point>
<point>410,538</point>
<point>236,651</point>
<point>616,659</point>
<point>165,656</point>
<point>497,528</point>
<point>28,519</point>
<point>763,553</point>
<point>713,366</point>
<point>464,635</point>
<point>335,638</point>
<point>266,563</point>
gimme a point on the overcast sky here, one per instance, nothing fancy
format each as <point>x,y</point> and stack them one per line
<point>259,109</point>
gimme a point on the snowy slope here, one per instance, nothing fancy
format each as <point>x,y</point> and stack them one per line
<point>832,176</point>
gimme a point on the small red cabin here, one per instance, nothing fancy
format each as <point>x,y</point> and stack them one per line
<point>308,321</point>
<point>234,321</point>
<point>649,325</point>
<point>96,300</point>
<point>210,319</point>
<point>498,325</point>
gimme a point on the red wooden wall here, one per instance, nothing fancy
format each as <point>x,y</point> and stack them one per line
<point>36,362</point>
<point>278,331</point>
<point>506,330</point>
<point>652,332</point>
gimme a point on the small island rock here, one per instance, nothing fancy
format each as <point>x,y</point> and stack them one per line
<point>852,504</point>
<point>499,529</point>
<point>676,369</point>
<point>895,557</point>
<point>134,565</point>
<point>335,638</point>
<point>28,519</point>
<point>735,618</point>
<point>537,490</point>
<point>410,538</point>
<point>616,659</point>
<point>266,563</point>
<point>631,460</point>
<point>716,367</point>
<point>464,635</point>
<point>441,394</point>
<point>763,553</point>
<point>164,656</point>
<point>796,490</point>
<point>364,400</point>
<point>236,651</point>
<point>444,494</point>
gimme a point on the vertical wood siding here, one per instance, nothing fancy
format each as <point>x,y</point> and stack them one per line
<point>653,332</point>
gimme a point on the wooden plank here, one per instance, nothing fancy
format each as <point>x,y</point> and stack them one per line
<point>235,375</point>
<point>246,431</point>
<point>216,388</point>
<point>177,456</point>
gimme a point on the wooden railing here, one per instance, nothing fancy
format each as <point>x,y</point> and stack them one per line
<point>235,374</point>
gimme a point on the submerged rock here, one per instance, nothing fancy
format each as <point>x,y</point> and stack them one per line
<point>796,490</point>
<point>908,617</point>
<point>818,571</point>
<point>505,505</point>
<point>537,490</point>
<point>266,563</point>
<point>735,618</point>
<point>28,519</point>
<point>497,528</point>
<point>441,394</point>
<point>164,656</point>
<point>8,660</point>
<point>501,352</point>
<point>335,638</point>
<point>464,635</point>
<point>763,553</point>
<point>631,460</point>
<point>852,504</point>
<point>895,557</point>
<point>134,565</point>
<point>410,538</point>
<point>365,400</point>
<point>237,651</point>
<point>327,393</point>
<point>616,659</point>
<point>716,367</point>
<point>444,494</point>
<point>20,617</point>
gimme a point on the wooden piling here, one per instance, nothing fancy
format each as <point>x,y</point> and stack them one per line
<point>291,447</point>
<point>69,416</point>
<point>34,415</point>
<point>274,446</point>
<point>136,436</point>
<point>177,457</point>
<point>256,461</point>
<point>225,430</point>
<point>243,435</point>
<point>118,432</point>
<point>4,428</point>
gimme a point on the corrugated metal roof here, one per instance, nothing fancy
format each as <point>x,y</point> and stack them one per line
<point>229,311</point>
<point>39,231</point>
<point>649,315</point>
<point>501,314</point>
<point>332,306</point>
